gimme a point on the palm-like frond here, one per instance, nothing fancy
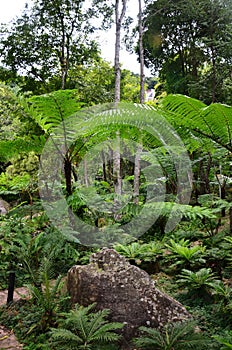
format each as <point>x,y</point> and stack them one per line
<point>126,114</point>
<point>151,339</point>
<point>175,209</point>
<point>174,336</point>
<point>61,336</point>
<point>182,105</point>
<point>134,250</point>
<point>196,280</point>
<point>49,110</point>
<point>88,328</point>
<point>213,122</point>
<point>11,148</point>
<point>184,251</point>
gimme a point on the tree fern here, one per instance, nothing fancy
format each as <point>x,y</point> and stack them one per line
<point>85,125</point>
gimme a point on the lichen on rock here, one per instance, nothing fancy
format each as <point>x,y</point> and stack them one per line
<point>126,290</point>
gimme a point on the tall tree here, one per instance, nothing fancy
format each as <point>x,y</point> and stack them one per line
<point>19,132</point>
<point>137,158</point>
<point>119,16</point>
<point>47,39</point>
<point>141,55</point>
<point>189,43</point>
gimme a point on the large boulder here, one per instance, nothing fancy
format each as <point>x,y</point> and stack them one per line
<point>129,293</point>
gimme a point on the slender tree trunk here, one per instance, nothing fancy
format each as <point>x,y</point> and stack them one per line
<point>116,155</point>
<point>86,179</point>
<point>207,180</point>
<point>214,73</point>
<point>11,285</point>
<point>62,56</point>
<point>222,195</point>
<point>222,190</point>
<point>204,176</point>
<point>64,73</point>
<point>117,176</point>
<point>104,166</point>
<point>117,166</point>
<point>230,220</point>
<point>137,174</point>
<point>110,165</point>
<point>68,175</point>
<point>142,99</point>
<point>118,20</point>
<point>141,56</point>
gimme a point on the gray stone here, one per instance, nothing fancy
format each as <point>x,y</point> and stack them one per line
<point>4,207</point>
<point>126,290</point>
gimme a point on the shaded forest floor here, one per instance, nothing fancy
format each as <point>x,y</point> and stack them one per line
<point>7,337</point>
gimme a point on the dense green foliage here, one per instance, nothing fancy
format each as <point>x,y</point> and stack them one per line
<point>85,330</point>
<point>175,337</point>
<point>172,215</point>
<point>197,254</point>
<point>190,43</point>
<point>48,39</point>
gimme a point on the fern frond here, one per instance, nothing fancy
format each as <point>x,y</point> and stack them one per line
<point>178,336</point>
<point>89,327</point>
<point>49,110</point>
<point>213,122</point>
<point>61,336</point>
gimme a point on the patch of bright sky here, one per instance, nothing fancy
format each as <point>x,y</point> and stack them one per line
<point>12,8</point>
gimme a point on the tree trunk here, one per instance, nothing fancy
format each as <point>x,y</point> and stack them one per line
<point>222,189</point>
<point>11,284</point>
<point>86,179</point>
<point>63,77</point>
<point>110,165</point>
<point>104,166</point>
<point>63,63</point>
<point>117,166</point>
<point>117,175</point>
<point>137,174</point>
<point>230,220</point>
<point>204,175</point>
<point>68,175</point>
<point>116,153</point>
<point>117,70</point>
<point>141,56</point>
<point>214,75</point>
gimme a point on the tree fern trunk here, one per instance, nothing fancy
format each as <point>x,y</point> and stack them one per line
<point>68,175</point>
